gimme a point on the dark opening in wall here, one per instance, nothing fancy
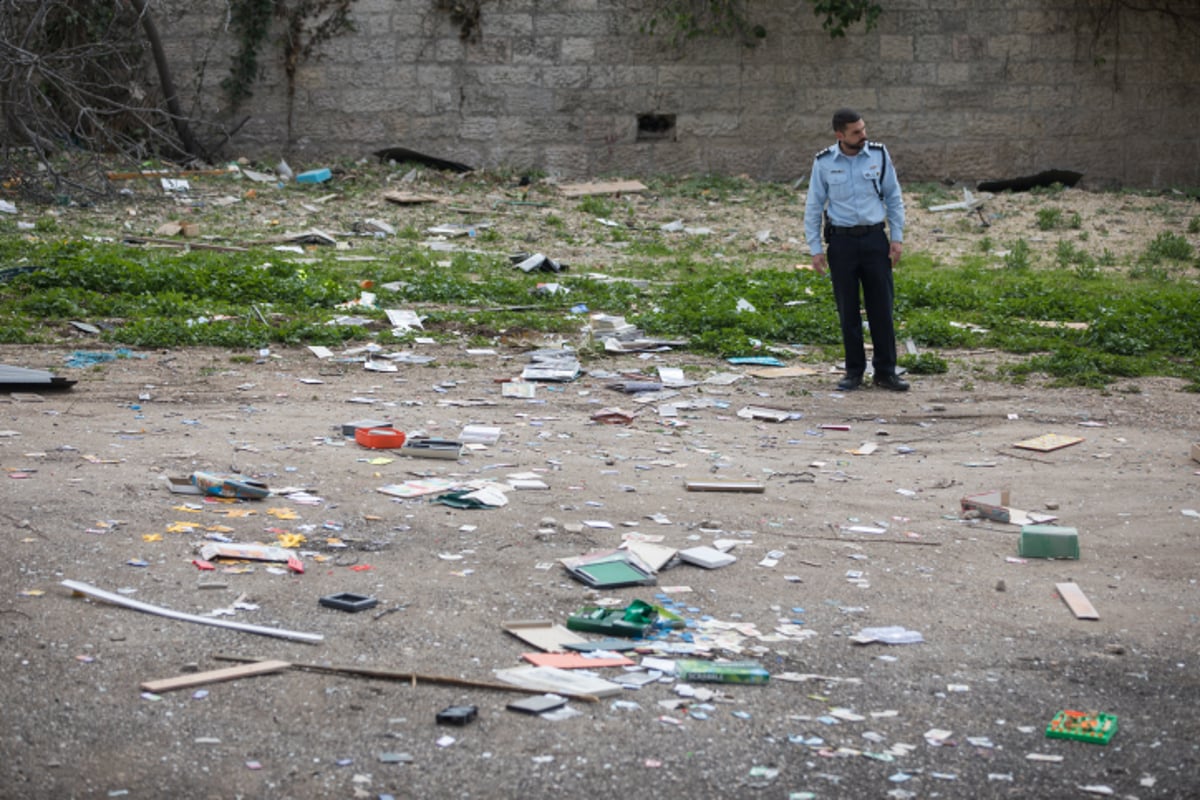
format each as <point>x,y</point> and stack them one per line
<point>655,127</point>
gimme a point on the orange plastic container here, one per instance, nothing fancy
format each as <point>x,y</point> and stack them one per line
<point>379,438</point>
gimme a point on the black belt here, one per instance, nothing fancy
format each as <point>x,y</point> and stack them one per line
<point>856,230</point>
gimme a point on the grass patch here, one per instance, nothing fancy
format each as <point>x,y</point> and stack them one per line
<point>726,295</point>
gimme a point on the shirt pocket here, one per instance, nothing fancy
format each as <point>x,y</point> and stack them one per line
<point>839,186</point>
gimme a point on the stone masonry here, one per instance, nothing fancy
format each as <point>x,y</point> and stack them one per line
<point>962,90</point>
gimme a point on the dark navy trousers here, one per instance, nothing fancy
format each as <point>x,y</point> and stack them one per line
<point>862,261</point>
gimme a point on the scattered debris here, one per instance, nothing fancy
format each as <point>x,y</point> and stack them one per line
<point>230,486</point>
<point>994,505</point>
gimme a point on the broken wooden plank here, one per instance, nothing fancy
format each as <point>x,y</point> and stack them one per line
<point>1077,601</point>
<point>214,676</point>
<point>119,600</point>
<point>600,187</point>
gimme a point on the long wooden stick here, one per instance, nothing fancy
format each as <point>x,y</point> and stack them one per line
<point>116,599</point>
<point>214,676</point>
<point>411,678</point>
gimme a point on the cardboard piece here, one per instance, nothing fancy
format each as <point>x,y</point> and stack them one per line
<point>1077,601</point>
<point>214,676</point>
<point>1047,442</point>
<point>600,187</point>
<point>654,556</point>
<point>575,660</point>
<point>542,634</point>
<point>558,681</point>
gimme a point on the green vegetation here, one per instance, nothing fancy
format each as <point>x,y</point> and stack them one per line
<point>726,296</point>
<point>1049,219</point>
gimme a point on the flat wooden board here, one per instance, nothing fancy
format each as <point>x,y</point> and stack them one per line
<point>1077,601</point>
<point>1047,442</point>
<point>214,676</point>
<point>542,634</point>
<point>600,187</point>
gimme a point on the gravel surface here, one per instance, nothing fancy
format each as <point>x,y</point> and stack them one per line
<point>86,498</point>
<point>859,541</point>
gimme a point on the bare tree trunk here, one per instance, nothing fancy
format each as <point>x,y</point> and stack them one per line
<point>184,131</point>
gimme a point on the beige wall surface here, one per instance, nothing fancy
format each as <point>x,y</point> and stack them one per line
<point>962,90</point>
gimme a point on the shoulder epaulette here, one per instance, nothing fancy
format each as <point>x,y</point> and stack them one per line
<point>876,145</point>
<point>827,151</point>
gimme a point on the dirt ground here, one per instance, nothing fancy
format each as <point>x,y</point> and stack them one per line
<point>85,498</point>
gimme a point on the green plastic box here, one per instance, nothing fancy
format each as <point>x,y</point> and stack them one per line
<point>1082,726</point>
<point>1048,541</point>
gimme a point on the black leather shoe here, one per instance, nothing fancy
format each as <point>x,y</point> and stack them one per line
<point>849,383</point>
<point>891,382</point>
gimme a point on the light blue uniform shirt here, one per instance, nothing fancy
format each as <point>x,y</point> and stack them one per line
<point>853,190</point>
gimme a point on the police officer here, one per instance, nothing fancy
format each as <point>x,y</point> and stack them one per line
<point>853,190</point>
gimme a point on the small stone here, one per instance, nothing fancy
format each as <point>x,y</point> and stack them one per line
<point>1052,505</point>
<point>1001,586</point>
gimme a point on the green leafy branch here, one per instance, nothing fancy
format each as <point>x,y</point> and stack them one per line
<point>688,19</point>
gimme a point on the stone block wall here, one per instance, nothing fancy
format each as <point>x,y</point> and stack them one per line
<point>963,90</point>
